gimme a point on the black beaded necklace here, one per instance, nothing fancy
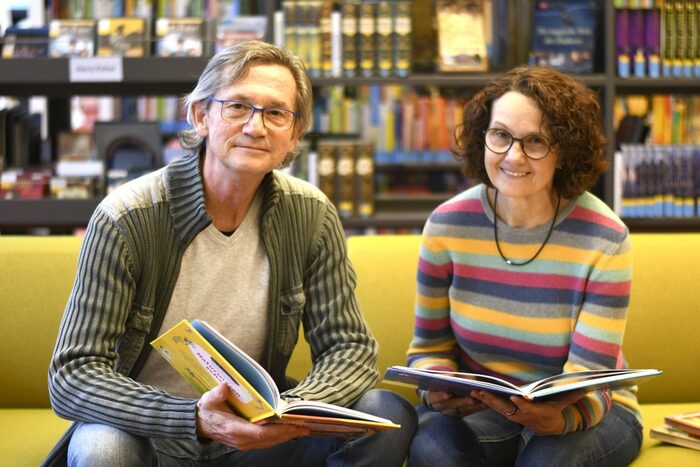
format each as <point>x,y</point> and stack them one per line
<point>495,233</point>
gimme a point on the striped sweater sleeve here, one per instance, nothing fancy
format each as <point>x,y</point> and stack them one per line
<point>83,382</point>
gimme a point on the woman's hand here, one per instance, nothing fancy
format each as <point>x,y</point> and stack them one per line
<point>452,406</point>
<point>544,418</point>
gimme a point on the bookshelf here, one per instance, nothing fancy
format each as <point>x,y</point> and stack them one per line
<point>174,75</point>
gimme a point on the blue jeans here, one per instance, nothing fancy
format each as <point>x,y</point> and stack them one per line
<point>101,445</point>
<point>487,438</point>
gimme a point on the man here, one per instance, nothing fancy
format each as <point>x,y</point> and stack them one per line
<point>219,235</point>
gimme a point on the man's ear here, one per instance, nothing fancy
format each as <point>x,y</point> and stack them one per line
<point>296,133</point>
<point>199,115</point>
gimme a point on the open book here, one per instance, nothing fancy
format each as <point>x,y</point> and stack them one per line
<point>462,383</point>
<point>206,358</point>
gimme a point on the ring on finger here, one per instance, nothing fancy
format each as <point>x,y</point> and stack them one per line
<point>512,412</point>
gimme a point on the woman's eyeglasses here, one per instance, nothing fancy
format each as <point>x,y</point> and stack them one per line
<point>500,141</point>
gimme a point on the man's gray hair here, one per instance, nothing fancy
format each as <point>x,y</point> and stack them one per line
<point>230,66</point>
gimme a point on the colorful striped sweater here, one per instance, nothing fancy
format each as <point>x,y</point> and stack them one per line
<point>565,311</point>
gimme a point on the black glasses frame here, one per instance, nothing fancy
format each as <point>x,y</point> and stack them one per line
<point>255,110</point>
<point>513,139</point>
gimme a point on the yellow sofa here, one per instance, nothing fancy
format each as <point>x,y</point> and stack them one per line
<point>36,274</point>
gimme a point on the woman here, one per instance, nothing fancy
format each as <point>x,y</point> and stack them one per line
<point>524,276</point>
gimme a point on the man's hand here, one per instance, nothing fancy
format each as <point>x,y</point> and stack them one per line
<point>452,406</point>
<point>216,421</point>
<point>544,418</point>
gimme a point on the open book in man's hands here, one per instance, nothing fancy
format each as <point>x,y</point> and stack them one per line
<point>206,358</point>
<point>454,382</point>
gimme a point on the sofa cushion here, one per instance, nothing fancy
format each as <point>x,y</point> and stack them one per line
<point>35,279</point>
<point>663,315</point>
<point>27,435</point>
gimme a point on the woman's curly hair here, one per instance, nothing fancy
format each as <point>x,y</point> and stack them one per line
<point>570,113</point>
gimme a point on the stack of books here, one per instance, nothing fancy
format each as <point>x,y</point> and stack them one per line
<point>681,429</point>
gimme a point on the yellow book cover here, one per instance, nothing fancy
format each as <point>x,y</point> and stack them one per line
<point>205,358</point>
<point>345,178</point>
<point>126,37</point>
<point>349,31</point>
<point>462,32</point>
<point>204,368</point>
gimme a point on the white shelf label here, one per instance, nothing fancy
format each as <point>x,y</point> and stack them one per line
<point>95,69</point>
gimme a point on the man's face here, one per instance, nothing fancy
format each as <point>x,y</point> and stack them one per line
<point>250,148</point>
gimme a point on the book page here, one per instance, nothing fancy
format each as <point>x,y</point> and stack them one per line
<point>590,380</point>
<point>204,367</point>
<point>323,409</point>
<point>251,370</point>
<point>450,382</point>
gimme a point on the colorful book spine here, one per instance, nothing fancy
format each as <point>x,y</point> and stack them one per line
<point>367,29</point>
<point>696,31</point>
<point>385,38</point>
<point>668,44</point>
<point>345,179</point>
<point>691,29</point>
<point>289,7</point>
<point>622,40</point>
<point>326,31</point>
<point>364,180</point>
<point>350,37</point>
<point>681,41</point>
<point>313,34</point>
<point>653,41</point>
<point>402,61</point>
<point>326,168</point>
<point>637,42</point>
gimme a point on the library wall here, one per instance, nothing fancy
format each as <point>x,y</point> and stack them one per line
<point>390,79</point>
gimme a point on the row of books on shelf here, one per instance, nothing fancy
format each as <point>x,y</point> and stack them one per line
<point>86,110</point>
<point>343,168</point>
<point>680,429</point>
<point>659,40</point>
<point>406,127</point>
<point>347,38</point>
<point>83,9</point>
<point>130,37</point>
<point>657,119</point>
<point>659,181</point>
<point>22,144</point>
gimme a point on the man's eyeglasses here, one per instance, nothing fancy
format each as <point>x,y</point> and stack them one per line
<point>500,141</point>
<point>240,112</point>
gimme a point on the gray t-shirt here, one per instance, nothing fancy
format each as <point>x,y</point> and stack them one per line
<point>223,280</point>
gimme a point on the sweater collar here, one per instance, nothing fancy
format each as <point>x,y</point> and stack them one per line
<point>185,191</point>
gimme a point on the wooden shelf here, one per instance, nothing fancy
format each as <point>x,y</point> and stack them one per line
<point>173,75</point>
<point>663,224</point>
<point>50,77</point>
<point>418,166</point>
<point>411,220</point>
<point>176,76</point>
<point>657,85</point>
<point>393,211</point>
<point>50,213</point>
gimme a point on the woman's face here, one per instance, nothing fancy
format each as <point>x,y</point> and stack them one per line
<point>513,173</point>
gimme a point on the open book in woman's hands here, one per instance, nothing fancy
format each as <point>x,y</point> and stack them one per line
<point>457,383</point>
<point>205,358</point>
